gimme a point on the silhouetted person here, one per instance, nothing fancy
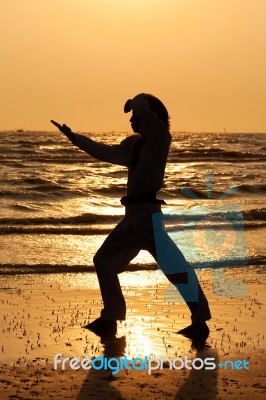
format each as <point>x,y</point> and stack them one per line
<point>145,155</point>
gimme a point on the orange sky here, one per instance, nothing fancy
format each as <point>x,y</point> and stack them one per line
<point>77,61</point>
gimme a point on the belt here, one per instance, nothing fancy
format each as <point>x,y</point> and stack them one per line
<point>145,197</point>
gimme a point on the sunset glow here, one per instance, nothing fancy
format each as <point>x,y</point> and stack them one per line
<point>77,61</point>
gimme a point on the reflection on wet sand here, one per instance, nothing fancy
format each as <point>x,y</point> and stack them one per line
<point>98,382</point>
<point>41,318</point>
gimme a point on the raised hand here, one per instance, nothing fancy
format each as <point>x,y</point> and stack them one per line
<point>139,105</point>
<point>65,129</point>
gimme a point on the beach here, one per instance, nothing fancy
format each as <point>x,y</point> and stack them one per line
<point>57,206</point>
<point>42,318</point>
<point>190,189</point>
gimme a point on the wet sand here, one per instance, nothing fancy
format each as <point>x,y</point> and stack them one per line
<point>43,315</point>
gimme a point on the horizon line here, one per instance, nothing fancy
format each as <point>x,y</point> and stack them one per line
<point>22,130</point>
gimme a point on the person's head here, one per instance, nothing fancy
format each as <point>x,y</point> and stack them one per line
<point>156,106</point>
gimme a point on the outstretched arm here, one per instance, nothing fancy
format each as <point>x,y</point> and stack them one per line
<point>117,154</point>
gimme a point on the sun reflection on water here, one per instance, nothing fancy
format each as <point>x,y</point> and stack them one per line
<point>138,341</point>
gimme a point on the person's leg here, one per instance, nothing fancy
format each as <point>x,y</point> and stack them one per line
<point>178,271</point>
<point>119,248</point>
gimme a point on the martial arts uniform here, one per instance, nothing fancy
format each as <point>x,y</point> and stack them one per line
<point>145,156</point>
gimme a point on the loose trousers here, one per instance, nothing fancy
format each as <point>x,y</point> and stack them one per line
<point>122,245</point>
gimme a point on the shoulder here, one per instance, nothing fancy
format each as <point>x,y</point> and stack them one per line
<point>130,141</point>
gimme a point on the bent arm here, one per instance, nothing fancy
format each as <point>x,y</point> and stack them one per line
<point>152,128</point>
<point>155,132</point>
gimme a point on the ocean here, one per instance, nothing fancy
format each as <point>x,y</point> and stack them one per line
<point>58,203</point>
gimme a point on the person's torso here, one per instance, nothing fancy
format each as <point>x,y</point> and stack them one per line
<point>148,173</point>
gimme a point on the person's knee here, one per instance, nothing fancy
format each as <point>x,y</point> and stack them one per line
<point>99,261</point>
<point>96,260</point>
